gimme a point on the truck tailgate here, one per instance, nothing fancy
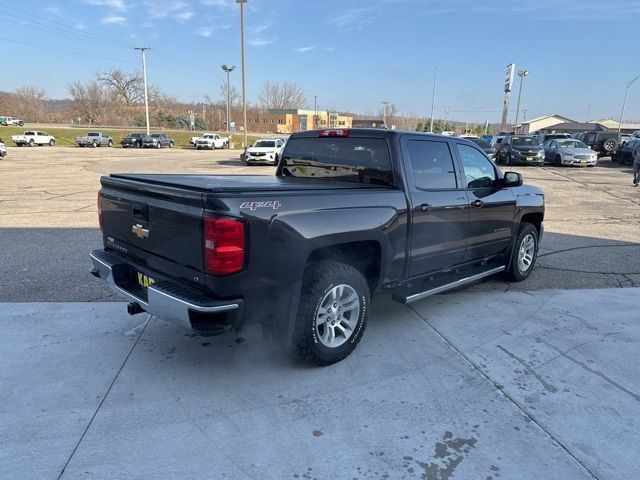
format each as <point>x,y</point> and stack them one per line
<point>156,226</point>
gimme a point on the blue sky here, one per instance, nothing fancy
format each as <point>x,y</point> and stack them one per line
<point>352,54</point>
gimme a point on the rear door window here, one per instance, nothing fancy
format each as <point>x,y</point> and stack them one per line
<point>432,165</point>
<point>359,160</point>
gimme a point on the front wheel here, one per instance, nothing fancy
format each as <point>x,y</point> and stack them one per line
<point>158,145</point>
<point>332,315</point>
<point>525,253</point>
<point>110,144</point>
<point>94,144</point>
<point>52,142</point>
<point>170,144</point>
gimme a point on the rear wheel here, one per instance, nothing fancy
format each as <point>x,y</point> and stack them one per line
<point>158,145</point>
<point>525,253</point>
<point>332,315</point>
<point>94,144</point>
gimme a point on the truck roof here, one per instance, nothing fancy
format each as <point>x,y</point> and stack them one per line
<point>362,132</point>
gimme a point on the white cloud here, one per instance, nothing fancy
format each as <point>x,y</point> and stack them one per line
<point>259,42</point>
<point>117,4</point>
<point>204,32</point>
<point>114,20</point>
<point>80,26</point>
<point>304,49</point>
<point>352,19</point>
<point>186,15</point>
<point>261,28</point>
<point>53,9</point>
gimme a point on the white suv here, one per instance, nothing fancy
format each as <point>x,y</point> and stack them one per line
<point>265,151</point>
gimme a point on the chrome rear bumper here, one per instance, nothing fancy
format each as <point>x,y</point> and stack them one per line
<point>170,301</point>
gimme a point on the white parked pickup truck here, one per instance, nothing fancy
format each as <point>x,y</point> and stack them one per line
<point>10,121</point>
<point>212,141</point>
<point>32,137</point>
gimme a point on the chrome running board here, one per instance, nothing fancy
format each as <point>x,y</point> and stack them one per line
<point>449,286</point>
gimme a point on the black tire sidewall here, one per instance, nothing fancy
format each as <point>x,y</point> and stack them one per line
<point>514,271</point>
<point>319,279</point>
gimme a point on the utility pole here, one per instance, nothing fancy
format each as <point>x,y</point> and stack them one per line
<point>228,70</point>
<point>433,96</point>
<point>446,117</point>
<point>315,109</point>
<point>384,112</point>
<point>204,116</point>
<point>521,74</point>
<point>244,89</point>
<point>624,102</point>
<point>524,115</point>
<point>144,76</point>
<point>486,126</point>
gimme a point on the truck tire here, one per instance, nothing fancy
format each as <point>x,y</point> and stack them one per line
<point>332,314</point>
<point>52,142</point>
<point>610,145</point>
<point>31,143</point>
<point>94,144</point>
<point>110,144</point>
<point>159,145</point>
<point>525,253</point>
<point>170,144</point>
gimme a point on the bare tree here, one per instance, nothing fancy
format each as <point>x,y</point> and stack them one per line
<point>391,113</point>
<point>31,102</point>
<point>89,100</point>
<point>233,94</point>
<point>126,87</point>
<point>284,96</point>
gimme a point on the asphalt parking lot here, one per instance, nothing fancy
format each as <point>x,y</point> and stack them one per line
<point>497,381</point>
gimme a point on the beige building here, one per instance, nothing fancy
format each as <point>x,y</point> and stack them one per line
<point>540,123</point>
<point>296,120</point>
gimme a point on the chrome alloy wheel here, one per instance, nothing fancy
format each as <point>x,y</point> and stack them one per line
<point>337,316</point>
<point>526,253</point>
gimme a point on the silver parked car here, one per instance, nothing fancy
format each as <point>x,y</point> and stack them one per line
<point>569,151</point>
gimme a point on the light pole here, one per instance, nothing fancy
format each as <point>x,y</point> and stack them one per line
<point>144,77</point>
<point>228,70</point>
<point>384,112</point>
<point>624,102</point>
<point>521,74</point>
<point>244,89</point>
<point>524,115</point>
<point>433,96</point>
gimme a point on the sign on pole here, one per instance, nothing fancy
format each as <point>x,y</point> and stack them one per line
<point>508,83</point>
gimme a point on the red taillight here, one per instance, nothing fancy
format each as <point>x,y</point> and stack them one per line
<point>341,132</point>
<point>224,249</point>
<point>100,212</point>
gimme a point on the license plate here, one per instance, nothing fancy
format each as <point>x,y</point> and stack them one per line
<point>144,280</point>
<point>583,161</point>
<point>529,158</point>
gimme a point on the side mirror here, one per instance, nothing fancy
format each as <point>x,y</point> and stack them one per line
<point>512,179</point>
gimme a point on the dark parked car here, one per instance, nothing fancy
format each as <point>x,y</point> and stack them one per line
<point>132,140</point>
<point>624,154</point>
<point>605,143</point>
<point>544,137</point>
<point>520,149</point>
<point>483,144</point>
<point>349,214</point>
<point>157,140</point>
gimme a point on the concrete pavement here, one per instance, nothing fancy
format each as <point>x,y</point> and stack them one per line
<point>465,385</point>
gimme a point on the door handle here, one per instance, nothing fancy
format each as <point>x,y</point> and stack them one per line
<point>425,207</point>
<point>477,203</point>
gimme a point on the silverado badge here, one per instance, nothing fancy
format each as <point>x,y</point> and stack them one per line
<point>139,231</point>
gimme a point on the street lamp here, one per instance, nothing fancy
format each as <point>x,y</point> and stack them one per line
<point>521,74</point>
<point>433,96</point>
<point>384,113</point>
<point>228,70</point>
<point>144,76</point>
<point>624,103</point>
<point>244,90</point>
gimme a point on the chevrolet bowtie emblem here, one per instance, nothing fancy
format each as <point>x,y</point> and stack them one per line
<point>139,231</point>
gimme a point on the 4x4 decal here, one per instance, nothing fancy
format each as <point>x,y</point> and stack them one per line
<point>274,204</point>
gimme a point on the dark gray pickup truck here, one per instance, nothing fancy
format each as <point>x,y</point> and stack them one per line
<point>349,214</point>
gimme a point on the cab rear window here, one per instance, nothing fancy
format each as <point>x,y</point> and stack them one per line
<point>359,160</point>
